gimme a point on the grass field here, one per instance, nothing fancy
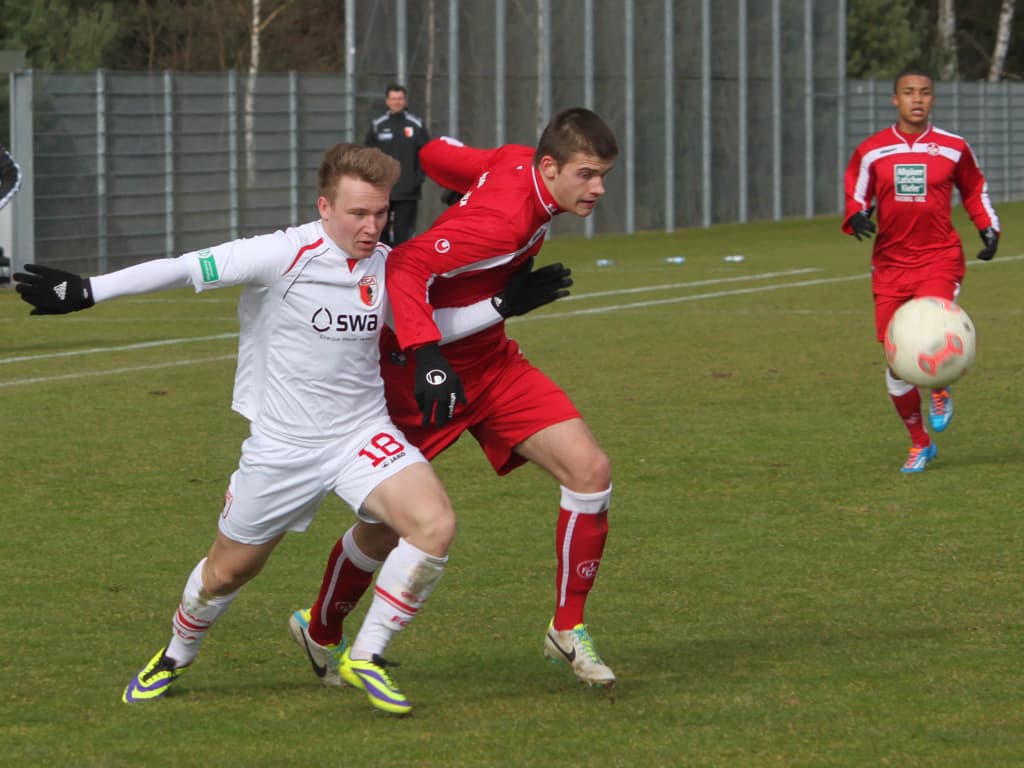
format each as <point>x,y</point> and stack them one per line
<point>774,593</point>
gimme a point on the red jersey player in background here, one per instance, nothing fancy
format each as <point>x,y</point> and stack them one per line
<point>909,171</point>
<point>482,383</point>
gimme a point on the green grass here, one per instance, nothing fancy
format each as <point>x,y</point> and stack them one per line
<point>774,593</point>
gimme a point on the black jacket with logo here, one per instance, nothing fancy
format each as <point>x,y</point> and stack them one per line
<point>401,136</point>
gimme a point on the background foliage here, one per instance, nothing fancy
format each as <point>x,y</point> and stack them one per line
<point>213,35</point>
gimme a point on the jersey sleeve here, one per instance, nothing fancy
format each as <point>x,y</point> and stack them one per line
<point>859,188</point>
<point>147,277</point>
<point>450,247</point>
<point>974,191</point>
<point>258,260</point>
<point>452,164</point>
<point>456,323</point>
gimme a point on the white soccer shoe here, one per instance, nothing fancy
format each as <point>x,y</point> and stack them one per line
<point>575,647</point>
<point>325,659</point>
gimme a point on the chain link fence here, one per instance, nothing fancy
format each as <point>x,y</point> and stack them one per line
<point>726,112</point>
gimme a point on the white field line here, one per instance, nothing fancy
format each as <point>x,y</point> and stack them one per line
<point>550,315</point>
<point>114,371</point>
<point>124,348</point>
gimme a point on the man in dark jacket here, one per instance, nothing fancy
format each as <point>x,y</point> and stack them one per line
<point>400,134</point>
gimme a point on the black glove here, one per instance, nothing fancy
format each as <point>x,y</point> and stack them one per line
<point>450,197</point>
<point>53,291</point>
<point>990,237</point>
<point>862,225</point>
<point>529,289</point>
<point>436,385</point>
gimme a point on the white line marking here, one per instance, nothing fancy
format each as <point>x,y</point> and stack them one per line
<point>135,369</point>
<point>594,311</point>
<point>695,283</point>
<point>693,297</point>
<point>126,347</point>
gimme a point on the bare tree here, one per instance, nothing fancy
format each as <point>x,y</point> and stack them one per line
<point>428,95</point>
<point>947,39</point>
<point>250,95</point>
<point>995,72</point>
<point>256,27</point>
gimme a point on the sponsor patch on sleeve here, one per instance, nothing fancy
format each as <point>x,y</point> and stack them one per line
<point>208,266</point>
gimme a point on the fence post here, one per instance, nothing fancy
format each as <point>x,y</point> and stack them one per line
<point>293,145</point>
<point>232,128</point>
<point>23,243</point>
<point>169,163</point>
<point>102,241</point>
<point>630,118</point>
<point>670,120</point>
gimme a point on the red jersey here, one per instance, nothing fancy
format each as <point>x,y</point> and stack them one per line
<point>911,181</point>
<point>474,247</point>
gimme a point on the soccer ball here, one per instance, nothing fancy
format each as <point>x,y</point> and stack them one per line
<point>930,342</point>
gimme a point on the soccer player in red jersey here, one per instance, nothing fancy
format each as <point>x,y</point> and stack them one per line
<point>482,383</point>
<point>907,173</point>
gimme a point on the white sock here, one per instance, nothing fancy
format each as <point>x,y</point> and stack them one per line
<point>404,583</point>
<point>195,615</point>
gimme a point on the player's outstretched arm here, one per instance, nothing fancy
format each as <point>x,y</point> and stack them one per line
<point>53,291</point>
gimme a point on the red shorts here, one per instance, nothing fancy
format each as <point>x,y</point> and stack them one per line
<point>893,288</point>
<point>509,400</point>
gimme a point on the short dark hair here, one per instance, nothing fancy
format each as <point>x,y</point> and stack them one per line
<point>913,69</point>
<point>395,87</point>
<point>576,130</point>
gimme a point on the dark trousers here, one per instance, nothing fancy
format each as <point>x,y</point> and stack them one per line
<point>401,222</point>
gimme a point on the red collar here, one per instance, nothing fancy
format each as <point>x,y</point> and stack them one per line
<point>544,197</point>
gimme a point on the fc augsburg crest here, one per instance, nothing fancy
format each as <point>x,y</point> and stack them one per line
<point>368,290</point>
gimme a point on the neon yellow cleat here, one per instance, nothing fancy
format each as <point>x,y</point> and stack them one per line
<point>154,680</point>
<point>371,677</point>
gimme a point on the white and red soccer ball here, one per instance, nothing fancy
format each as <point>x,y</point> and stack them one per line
<point>930,342</point>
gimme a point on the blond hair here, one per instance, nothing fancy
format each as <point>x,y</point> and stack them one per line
<point>365,163</point>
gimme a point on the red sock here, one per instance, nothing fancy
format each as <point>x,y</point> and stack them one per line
<point>343,584</point>
<point>579,541</point>
<point>908,406</point>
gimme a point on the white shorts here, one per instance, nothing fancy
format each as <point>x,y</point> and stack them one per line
<point>279,486</point>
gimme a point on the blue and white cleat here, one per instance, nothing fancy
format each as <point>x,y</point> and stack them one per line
<point>325,659</point>
<point>919,458</point>
<point>940,408</point>
<point>575,647</point>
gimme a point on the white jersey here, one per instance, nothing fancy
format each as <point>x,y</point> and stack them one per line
<point>310,319</point>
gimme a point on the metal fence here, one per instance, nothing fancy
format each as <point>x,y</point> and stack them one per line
<point>730,111</point>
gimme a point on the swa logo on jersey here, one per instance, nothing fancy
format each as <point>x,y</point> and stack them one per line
<point>323,321</point>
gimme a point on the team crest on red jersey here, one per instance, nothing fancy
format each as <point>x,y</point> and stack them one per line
<point>368,290</point>
<point>408,131</point>
<point>933,149</point>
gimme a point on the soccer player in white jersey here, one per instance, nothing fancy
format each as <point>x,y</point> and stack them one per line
<point>907,172</point>
<point>308,380</point>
